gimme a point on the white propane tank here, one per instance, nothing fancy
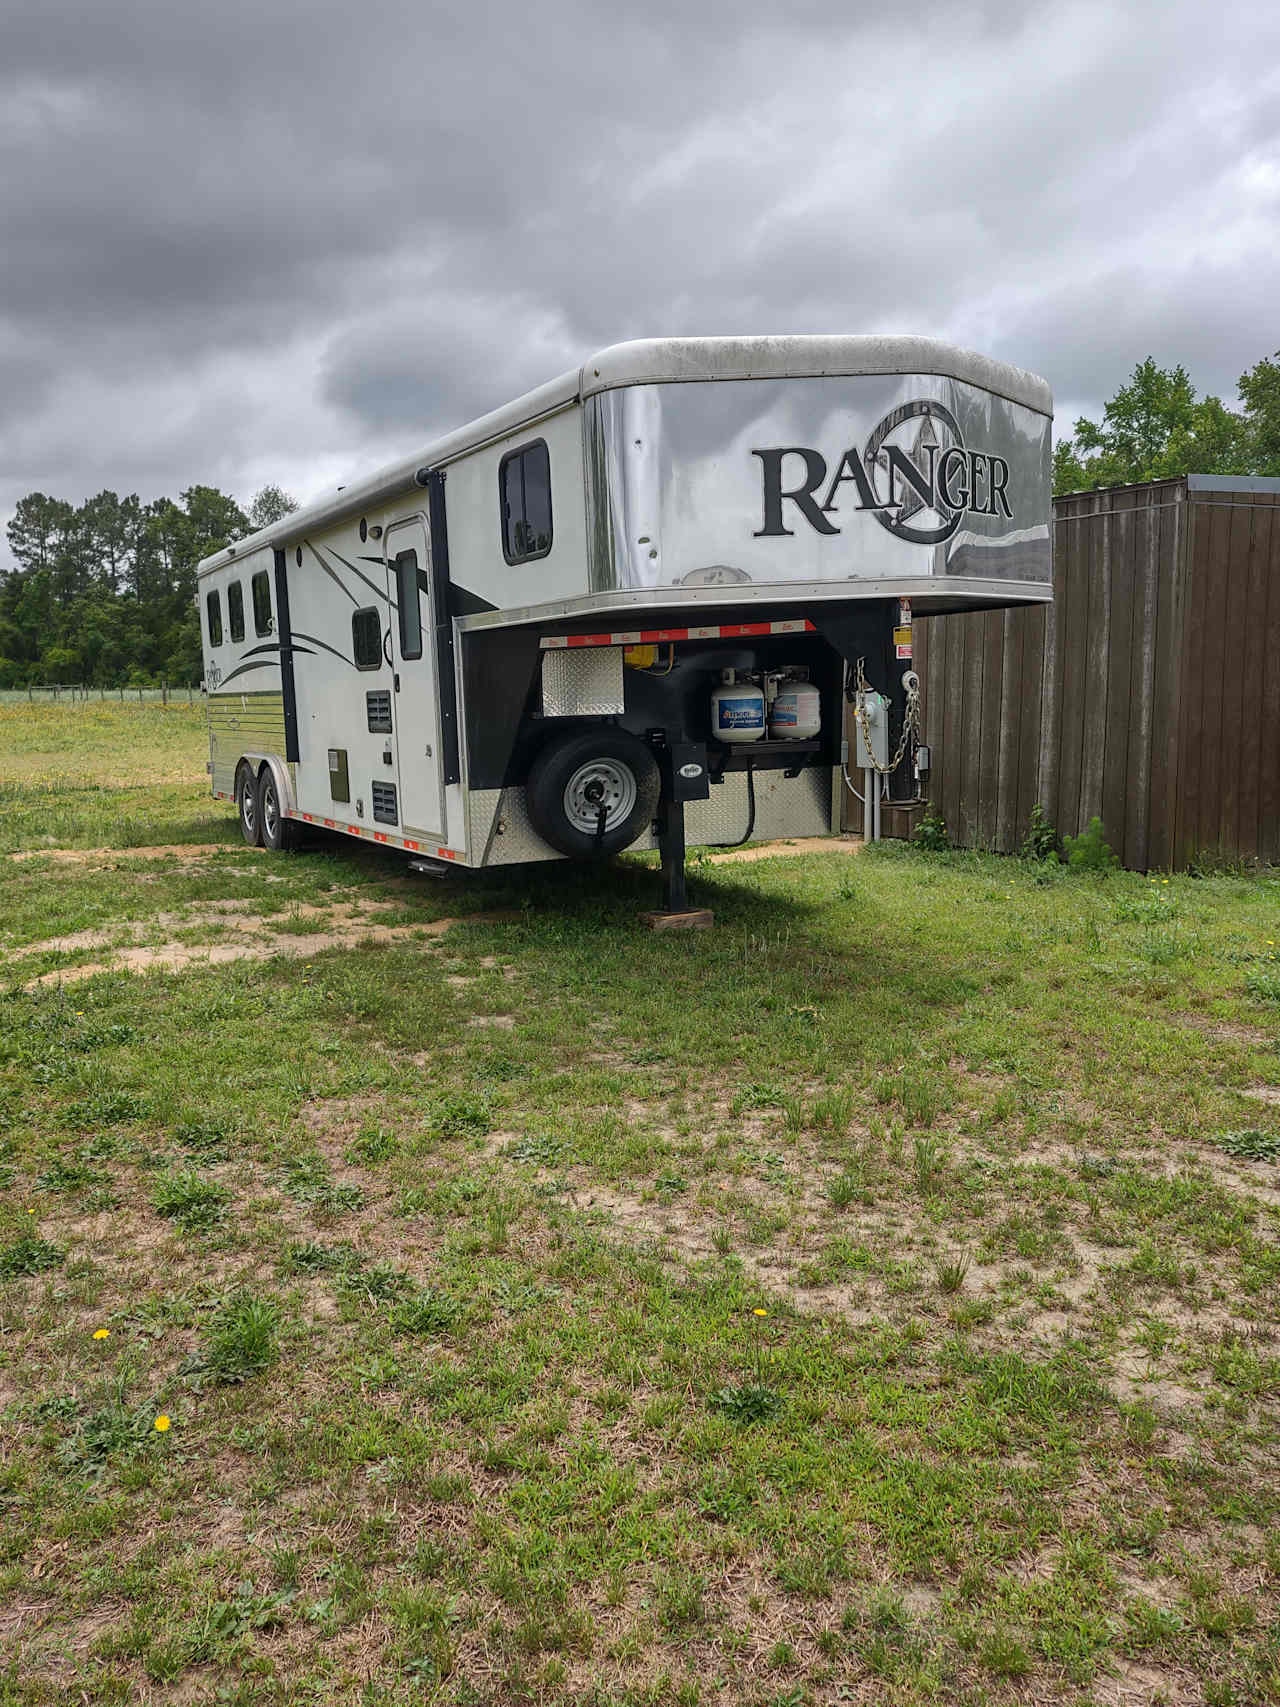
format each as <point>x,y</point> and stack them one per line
<point>737,711</point>
<point>796,712</point>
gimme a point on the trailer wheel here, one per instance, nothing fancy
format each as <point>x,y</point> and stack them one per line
<point>247,806</point>
<point>575,775</point>
<point>279,834</point>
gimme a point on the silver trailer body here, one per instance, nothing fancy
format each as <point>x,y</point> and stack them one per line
<point>393,658</point>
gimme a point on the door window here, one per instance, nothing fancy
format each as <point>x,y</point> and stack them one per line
<point>213,605</point>
<point>409,599</point>
<point>235,610</point>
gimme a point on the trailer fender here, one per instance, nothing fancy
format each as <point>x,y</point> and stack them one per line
<point>280,771</point>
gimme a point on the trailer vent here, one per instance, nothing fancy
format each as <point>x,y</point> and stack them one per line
<point>384,803</point>
<point>379,707</point>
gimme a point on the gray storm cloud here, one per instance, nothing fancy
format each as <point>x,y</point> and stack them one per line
<point>288,241</point>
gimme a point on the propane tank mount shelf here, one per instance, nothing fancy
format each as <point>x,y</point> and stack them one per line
<point>769,755</point>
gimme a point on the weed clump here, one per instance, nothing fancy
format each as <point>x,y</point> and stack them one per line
<point>1041,840</point>
<point>1090,850</point>
<point>29,1255</point>
<point>240,1341</point>
<point>196,1204</point>
<point>1250,1145</point>
<point>930,834</point>
<point>749,1402</point>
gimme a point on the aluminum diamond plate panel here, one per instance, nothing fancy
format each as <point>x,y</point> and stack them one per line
<point>583,682</point>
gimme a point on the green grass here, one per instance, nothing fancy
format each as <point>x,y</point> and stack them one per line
<point>455,1324</point>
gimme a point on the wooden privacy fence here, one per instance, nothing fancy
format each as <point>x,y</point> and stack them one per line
<point>1147,695</point>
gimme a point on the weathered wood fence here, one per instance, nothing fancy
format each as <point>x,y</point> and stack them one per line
<point>1148,694</point>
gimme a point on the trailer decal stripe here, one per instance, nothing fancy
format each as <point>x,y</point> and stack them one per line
<point>649,636</point>
<point>364,831</point>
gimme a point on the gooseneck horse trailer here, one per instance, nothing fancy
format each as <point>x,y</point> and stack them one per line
<point>629,607</point>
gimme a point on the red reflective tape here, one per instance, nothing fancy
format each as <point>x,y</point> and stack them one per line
<point>329,824</point>
<point>410,844</point>
<point>445,853</point>
<point>379,837</point>
<point>589,640</point>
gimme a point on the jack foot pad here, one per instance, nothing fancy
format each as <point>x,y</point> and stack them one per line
<point>690,919</point>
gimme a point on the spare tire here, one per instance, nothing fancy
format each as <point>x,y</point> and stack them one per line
<point>576,774</point>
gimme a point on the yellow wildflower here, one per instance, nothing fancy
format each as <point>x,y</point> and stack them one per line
<point>759,1312</point>
<point>102,1333</point>
<point>162,1423</point>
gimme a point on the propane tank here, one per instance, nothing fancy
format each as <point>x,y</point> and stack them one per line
<point>796,712</point>
<point>737,710</point>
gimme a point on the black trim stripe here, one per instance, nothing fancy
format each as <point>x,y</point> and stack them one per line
<point>332,574</point>
<point>379,592</point>
<point>285,630</point>
<point>323,645</point>
<point>243,670</point>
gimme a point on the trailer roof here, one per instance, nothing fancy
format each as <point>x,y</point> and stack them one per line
<point>663,361</point>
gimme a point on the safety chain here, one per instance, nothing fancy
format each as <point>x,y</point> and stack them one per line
<point>910,721</point>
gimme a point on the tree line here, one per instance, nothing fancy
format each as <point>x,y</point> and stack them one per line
<point>104,592</point>
<point>1156,427</point>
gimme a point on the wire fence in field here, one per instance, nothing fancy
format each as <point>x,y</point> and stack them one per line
<point>76,693</point>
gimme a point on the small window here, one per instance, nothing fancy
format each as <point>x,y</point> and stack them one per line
<point>261,584</point>
<point>366,639</point>
<point>409,598</point>
<point>235,610</point>
<point>524,493</point>
<point>213,604</point>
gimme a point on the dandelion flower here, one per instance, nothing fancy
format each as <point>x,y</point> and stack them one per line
<point>759,1312</point>
<point>102,1333</point>
<point>161,1424</point>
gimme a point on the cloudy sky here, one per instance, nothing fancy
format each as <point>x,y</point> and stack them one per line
<point>287,240</point>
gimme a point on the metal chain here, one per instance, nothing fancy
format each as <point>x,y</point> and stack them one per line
<point>910,721</point>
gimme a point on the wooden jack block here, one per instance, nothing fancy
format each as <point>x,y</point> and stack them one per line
<point>691,919</point>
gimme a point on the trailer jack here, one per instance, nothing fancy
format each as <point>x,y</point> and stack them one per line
<point>675,914</point>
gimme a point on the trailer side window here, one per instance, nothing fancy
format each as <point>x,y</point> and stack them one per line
<point>409,599</point>
<point>235,610</point>
<point>366,639</point>
<point>213,604</point>
<point>524,494</point>
<point>261,585</point>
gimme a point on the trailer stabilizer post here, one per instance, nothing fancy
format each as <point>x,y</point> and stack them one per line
<point>676,913</point>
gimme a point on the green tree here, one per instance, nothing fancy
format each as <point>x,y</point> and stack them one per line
<point>1153,428</point>
<point>1260,393</point>
<point>271,504</point>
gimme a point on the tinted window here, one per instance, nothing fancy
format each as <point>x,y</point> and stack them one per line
<point>213,604</point>
<point>524,491</point>
<point>409,598</point>
<point>235,610</point>
<point>366,639</point>
<point>262,602</point>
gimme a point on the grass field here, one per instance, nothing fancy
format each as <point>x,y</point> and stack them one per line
<point>872,1299</point>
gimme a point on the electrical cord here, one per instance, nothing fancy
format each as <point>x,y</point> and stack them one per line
<point>751,806</point>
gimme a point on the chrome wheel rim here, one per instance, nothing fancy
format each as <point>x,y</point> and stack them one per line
<point>248,807</point>
<point>270,811</point>
<point>600,782</point>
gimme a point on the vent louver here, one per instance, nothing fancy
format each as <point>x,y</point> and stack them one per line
<point>384,803</point>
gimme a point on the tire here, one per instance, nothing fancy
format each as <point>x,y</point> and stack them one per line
<point>279,834</point>
<point>247,806</point>
<point>574,773</point>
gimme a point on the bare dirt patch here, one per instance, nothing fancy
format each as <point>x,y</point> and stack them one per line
<point>782,850</point>
<point>259,938</point>
<point>113,856</point>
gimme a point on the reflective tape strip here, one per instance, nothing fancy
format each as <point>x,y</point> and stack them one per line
<point>659,636</point>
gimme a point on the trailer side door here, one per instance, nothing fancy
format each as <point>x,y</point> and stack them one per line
<point>415,701</point>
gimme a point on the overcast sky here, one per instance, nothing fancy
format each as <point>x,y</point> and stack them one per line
<point>287,240</point>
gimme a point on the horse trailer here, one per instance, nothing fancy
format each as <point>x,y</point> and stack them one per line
<point>628,607</point>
